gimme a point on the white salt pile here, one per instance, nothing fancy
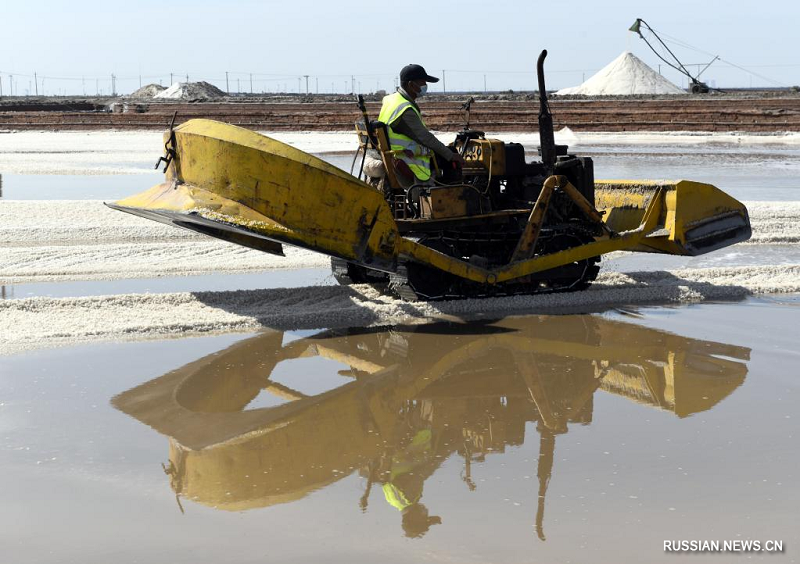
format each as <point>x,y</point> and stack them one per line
<point>190,91</point>
<point>148,91</point>
<point>624,76</point>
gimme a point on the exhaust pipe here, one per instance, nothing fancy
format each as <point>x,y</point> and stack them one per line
<point>547,140</point>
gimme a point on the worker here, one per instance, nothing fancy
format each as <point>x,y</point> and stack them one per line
<point>409,469</point>
<point>408,136</point>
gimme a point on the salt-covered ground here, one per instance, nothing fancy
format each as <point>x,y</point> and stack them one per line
<point>66,242</point>
<point>44,322</point>
<point>85,240</point>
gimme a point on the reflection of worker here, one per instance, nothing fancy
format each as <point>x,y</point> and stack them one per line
<point>403,490</point>
<point>408,136</point>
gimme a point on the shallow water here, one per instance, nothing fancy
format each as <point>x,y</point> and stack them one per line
<point>747,173</point>
<point>737,255</point>
<point>76,186</point>
<point>536,438</point>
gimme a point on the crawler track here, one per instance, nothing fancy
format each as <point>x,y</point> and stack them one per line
<point>414,282</point>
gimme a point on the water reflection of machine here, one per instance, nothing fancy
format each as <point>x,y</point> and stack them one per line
<point>416,395</point>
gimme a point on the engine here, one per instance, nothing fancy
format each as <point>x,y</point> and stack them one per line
<point>498,177</point>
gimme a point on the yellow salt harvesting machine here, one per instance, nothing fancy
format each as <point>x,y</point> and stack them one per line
<point>500,225</point>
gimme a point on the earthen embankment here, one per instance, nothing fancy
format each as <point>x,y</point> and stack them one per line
<point>752,114</point>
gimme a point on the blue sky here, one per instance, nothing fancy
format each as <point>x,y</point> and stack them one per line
<point>278,42</point>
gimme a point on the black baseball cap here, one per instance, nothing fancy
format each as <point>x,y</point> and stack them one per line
<point>415,72</point>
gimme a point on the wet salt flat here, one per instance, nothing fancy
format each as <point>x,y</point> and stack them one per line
<point>541,438</point>
<point>165,397</point>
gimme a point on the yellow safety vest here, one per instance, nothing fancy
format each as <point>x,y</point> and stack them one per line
<point>396,498</point>
<point>420,446</point>
<point>416,156</point>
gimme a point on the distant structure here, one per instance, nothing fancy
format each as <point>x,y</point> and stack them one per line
<point>626,75</point>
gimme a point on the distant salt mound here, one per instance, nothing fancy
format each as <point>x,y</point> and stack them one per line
<point>624,76</point>
<point>191,91</point>
<point>148,91</point>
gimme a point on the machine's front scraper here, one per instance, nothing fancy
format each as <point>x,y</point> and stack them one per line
<point>696,218</point>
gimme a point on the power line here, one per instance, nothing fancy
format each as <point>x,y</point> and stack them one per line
<point>685,45</point>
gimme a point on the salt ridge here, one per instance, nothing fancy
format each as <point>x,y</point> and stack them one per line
<point>48,322</point>
<point>61,263</point>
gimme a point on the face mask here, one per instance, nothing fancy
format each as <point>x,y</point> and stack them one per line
<point>423,89</point>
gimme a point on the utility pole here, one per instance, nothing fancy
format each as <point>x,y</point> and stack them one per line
<point>170,79</point>
<point>113,85</point>
<point>305,75</point>
<point>10,84</point>
<point>140,81</point>
<point>36,82</point>
<point>251,83</point>
<point>444,82</point>
<point>484,84</point>
<point>227,88</point>
<point>238,86</point>
<point>352,84</point>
